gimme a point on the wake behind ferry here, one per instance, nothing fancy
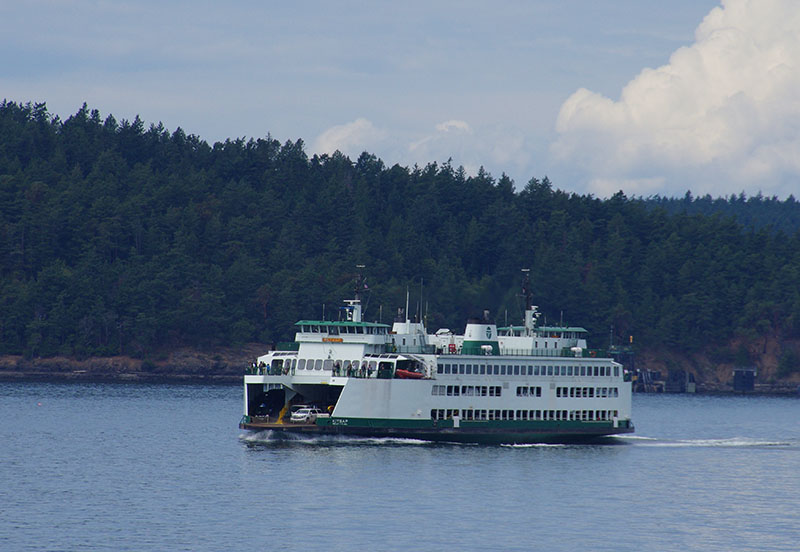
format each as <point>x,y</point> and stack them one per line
<point>516,384</point>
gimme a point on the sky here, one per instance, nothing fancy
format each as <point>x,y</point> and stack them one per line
<point>643,96</point>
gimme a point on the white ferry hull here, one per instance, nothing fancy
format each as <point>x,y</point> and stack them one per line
<point>526,384</point>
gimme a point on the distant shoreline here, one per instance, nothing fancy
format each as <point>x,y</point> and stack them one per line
<point>204,366</point>
<point>217,374</point>
<point>166,379</point>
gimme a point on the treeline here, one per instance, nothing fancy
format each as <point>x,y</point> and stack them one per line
<point>753,212</point>
<point>117,238</point>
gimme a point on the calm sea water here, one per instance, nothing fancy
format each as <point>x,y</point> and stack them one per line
<point>164,467</point>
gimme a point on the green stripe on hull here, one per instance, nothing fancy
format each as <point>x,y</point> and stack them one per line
<point>488,432</point>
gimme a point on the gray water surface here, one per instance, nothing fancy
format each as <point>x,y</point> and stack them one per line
<point>164,467</point>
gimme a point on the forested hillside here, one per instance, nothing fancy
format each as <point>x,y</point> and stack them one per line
<point>123,238</point>
<point>753,212</point>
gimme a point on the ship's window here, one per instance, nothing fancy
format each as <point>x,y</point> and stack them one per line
<point>327,364</point>
<point>461,368</point>
<point>301,364</point>
<point>446,368</point>
<point>404,341</point>
<point>469,369</point>
<point>549,370</point>
<point>535,344</point>
<point>439,369</point>
<point>583,370</point>
<point>317,364</point>
<point>502,369</point>
<point>360,329</point>
<point>516,370</point>
<point>455,390</point>
<point>495,369</point>
<point>616,371</point>
<point>572,392</point>
<point>483,369</point>
<point>449,390</point>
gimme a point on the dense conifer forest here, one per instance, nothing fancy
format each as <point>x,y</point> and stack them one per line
<point>121,238</point>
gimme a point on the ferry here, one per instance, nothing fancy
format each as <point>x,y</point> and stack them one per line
<point>497,385</point>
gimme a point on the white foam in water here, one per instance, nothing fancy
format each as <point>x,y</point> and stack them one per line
<point>270,436</point>
<point>731,442</point>
<point>535,445</point>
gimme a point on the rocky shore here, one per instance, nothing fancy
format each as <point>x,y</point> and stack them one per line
<point>181,365</point>
<point>227,366</point>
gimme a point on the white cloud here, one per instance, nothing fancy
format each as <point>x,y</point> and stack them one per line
<point>490,147</point>
<point>454,125</point>
<point>722,115</point>
<point>351,138</point>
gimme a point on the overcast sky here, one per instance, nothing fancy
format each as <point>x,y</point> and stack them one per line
<point>644,96</point>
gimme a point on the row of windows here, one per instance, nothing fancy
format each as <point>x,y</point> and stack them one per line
<point>467,390</point>
<point>337,365</point>
<point>559,415</point>
<point>524,391</point>
<point>586,392</point>
<point>526,370</point>
<point>337,330</point>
